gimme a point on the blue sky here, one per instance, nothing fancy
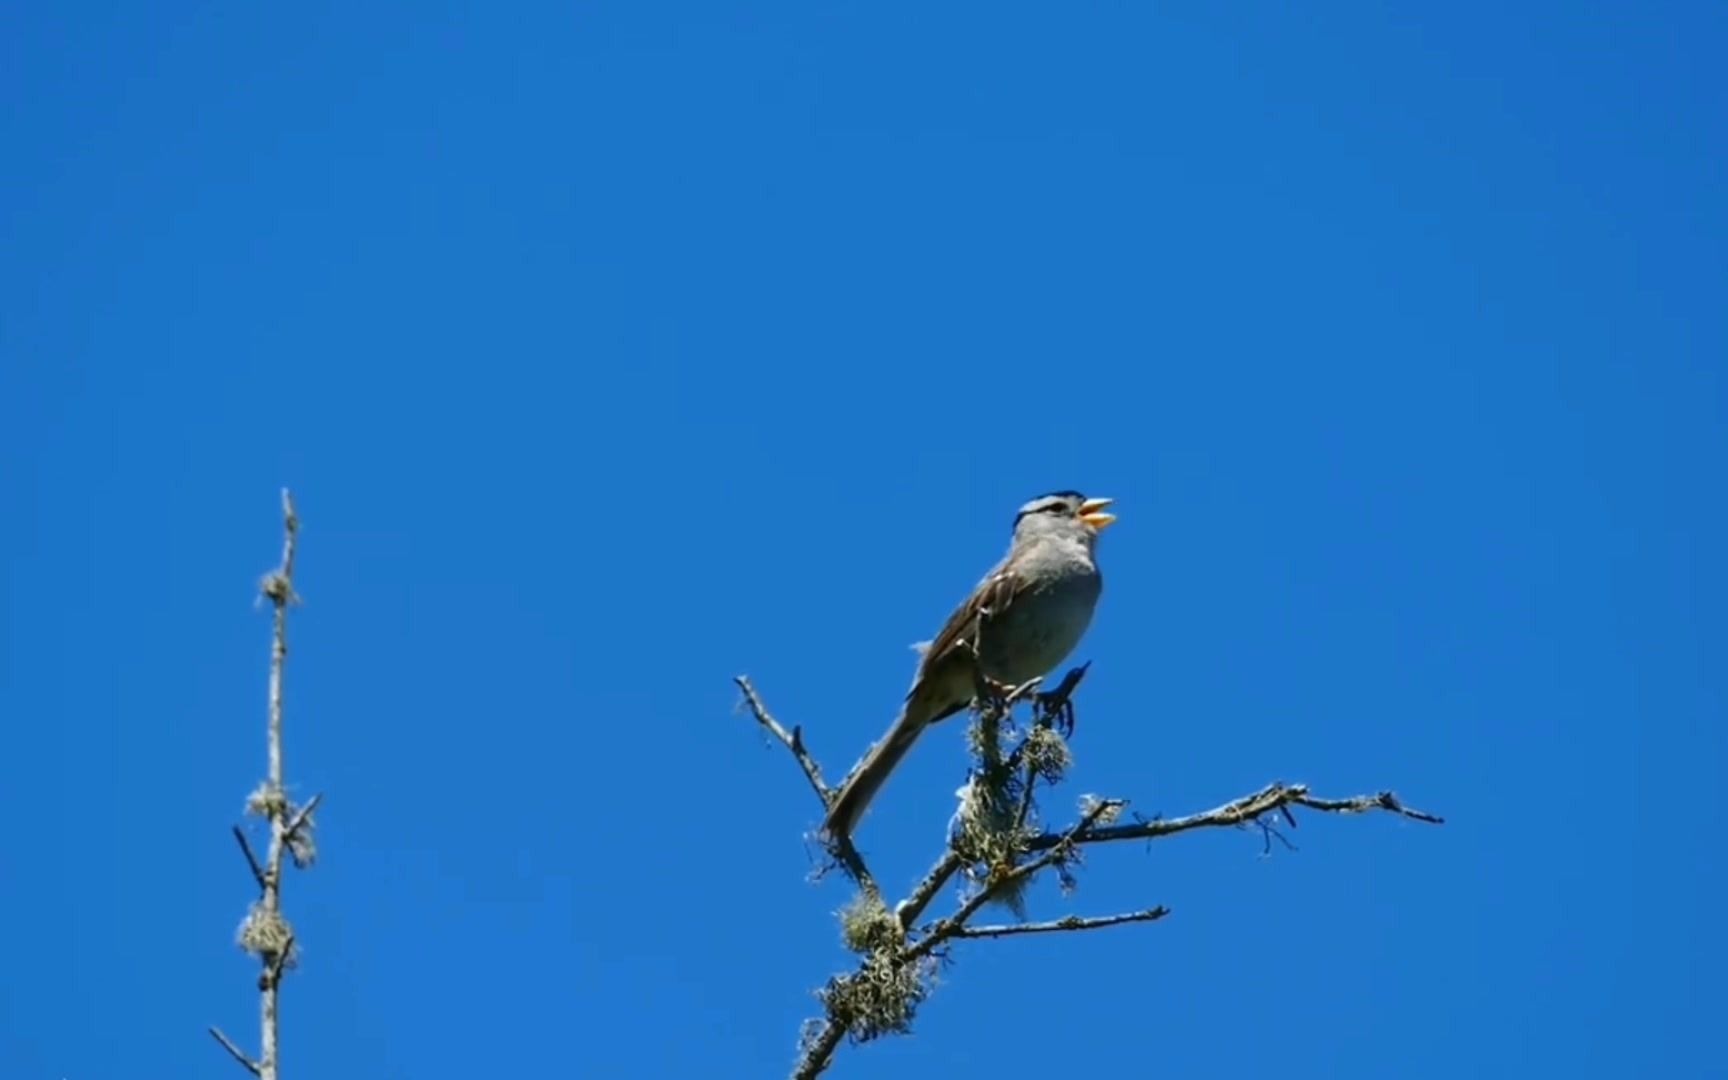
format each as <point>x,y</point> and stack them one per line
<point>614,350</point>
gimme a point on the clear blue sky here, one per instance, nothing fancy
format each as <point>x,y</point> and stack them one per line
<point>616,349</point>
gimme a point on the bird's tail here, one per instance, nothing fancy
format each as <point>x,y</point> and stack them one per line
<point>867,779</point>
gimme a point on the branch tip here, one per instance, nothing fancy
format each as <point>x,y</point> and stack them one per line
<point>792,740</point>
<point>235,1052</point>
<point>1067,922</point>
<point>302,818</point>
<point>251,859</point>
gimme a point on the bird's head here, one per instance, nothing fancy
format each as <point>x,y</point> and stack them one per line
<point>1062,512</point>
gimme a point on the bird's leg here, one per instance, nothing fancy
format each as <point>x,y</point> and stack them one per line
<point>993,697</point>
<point>1056,707</point>
<point>1059,714</point>
<point>990,698</point>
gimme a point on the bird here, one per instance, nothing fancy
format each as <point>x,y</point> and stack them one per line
<point>1025,617</point>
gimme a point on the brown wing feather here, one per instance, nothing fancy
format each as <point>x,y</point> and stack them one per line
<point>952,643</point>
<point>949,648</point>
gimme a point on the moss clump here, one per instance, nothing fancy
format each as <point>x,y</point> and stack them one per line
<point>881,997</point>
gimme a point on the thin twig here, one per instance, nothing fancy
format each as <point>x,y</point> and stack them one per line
<point>273,972</point>
<point>847,855</point>
<point>1071,922</point>
<point>844,851</point>
<point>1274,796</point>
<point>302,818</point>
<point>1051,707</point>
<point>239,1055</point>
<point>793,740</point>
<point>1028,787</point>
<point>251,859</point>
<point>1360,804</point>
<point>925,891</point>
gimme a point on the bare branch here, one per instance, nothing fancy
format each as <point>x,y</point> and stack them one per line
<point>819,1051</point>
<point>251,859</point>
<point>1276,796</point>
<point>272,976</point>
<point>1071,922</point>
<point>1055,710</point>
<point>1361,804</point>
<point>847,856</point>
<point>793,740</point>
<point>925,891</point>
<point>239,1055</point>
<point>302,818</point>
<point>1028,788</point>
<point>266,933</point>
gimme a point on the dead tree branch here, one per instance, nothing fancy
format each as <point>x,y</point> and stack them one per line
<point>238,1054</point>
<point>793,740</point>
<point>1238,812</point>
<point>265,932</point>
<point>897,961</point>
<point>845,853</point>
<point>251,858</point>
<point>926,890</point>
<point>1071,922</point>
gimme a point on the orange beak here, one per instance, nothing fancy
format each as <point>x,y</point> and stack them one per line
<point>1092,513</point>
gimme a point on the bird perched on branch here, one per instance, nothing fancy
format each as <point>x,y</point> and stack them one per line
<point>1023,619</point>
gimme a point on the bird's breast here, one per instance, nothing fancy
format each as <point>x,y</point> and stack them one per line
<point>1042,626</point>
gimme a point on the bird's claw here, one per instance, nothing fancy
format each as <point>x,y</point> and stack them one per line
<point>993,696</point>
<point>1058,711</point>
<point>1056,707</point>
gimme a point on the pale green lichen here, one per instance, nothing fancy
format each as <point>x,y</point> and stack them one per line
<point>881,997</point>
<point>265,933</point>
<point>266,801</point>
<point>866,925</point>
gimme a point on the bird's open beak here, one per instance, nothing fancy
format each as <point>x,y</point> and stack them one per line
<point>1092,513</point>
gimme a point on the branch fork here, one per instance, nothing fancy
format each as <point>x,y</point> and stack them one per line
<point>897,951</point>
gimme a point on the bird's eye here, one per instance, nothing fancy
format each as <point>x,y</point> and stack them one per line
<point>1054,507</point>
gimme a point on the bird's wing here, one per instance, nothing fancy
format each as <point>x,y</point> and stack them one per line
<point>958,634</point>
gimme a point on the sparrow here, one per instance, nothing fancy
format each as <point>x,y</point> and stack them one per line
<point>1022,619</point>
